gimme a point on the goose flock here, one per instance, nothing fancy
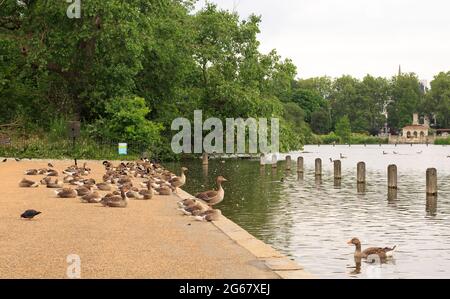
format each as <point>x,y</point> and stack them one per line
<point>139,180</point>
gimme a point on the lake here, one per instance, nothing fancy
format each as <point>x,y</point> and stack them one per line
<point>311,220</point>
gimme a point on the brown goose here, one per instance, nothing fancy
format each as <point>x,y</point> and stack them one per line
<point>178,182</point>
<point>147,193</point>
<point>93,197</point>
<point>24,183</point>
<point>31,172</point>
<point>66,193</point>
<point>45,180</point>
<point>54,185</point>
<point>209,215</point>
<point>116,201</point>
<point>164,190</point>
<point>213,197</point>
<point>83,190</point>
<point>104,186</point>
<point>383,253</point>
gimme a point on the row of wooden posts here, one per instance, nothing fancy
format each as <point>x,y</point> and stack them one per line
<point>431,174</point>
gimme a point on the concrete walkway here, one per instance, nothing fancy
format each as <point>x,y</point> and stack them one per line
<point>148,239</point>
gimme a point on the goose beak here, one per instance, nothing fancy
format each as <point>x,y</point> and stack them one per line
<point>350,242</point>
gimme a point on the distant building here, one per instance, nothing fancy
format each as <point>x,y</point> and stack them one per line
<point>414,133</point>
<point>423,84</point>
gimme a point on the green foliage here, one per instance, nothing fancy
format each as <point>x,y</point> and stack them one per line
<point>442,141</point>
<point>343,129</point>
<point>438,99</point>
<point>126,120</point>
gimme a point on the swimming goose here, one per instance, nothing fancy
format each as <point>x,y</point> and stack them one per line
<point>383,253</point>
<point>178,182</point>
<point>213,197</point>
<point>209,215</point>
<point>66,193</point>
<point>342,156</point>
<point>24,183</point>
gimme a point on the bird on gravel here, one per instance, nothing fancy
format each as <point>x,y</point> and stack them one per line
<point>4,160</point>
<point>29,214</point>
<point>50,165</point>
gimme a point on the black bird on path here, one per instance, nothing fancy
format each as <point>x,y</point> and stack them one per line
<point>30,214</point>
<point>4,160</point>
<point>17,159</point>
<point>50,165</point>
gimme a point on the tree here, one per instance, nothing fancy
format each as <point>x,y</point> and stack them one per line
<point>343,129</point>
<point>406,97</point>
<point>438,99</point>
<point>320,121</point>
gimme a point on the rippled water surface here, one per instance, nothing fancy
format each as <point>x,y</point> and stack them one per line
<point>311,220</point>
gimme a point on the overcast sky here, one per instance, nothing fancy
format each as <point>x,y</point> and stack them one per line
<point>355,37</point>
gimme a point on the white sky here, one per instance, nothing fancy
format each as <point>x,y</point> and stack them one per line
<point>355,37</point>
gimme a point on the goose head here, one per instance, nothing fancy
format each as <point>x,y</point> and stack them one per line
<point>354,241</point>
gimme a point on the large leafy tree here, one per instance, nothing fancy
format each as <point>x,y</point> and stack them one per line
<point>438,99</point>
<point>406,98</point>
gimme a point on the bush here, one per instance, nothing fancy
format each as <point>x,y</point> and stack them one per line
<point>442,141</point>
<point>126,121</point>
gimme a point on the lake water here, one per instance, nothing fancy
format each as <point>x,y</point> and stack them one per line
<point>311,220</point>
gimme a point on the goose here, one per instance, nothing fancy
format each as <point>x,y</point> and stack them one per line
<point>419,153</point>
<point>395,153</point>
<point>30,214</point>
<point>147,193</point>
<point>66,193</point>
<point>178,182</point>
<point>187,202</point>
<point>213,197</point>
<point>93,197</point>
<point>45,180</point>
<point>195,209</point>
<point>331,160</point>
<point>104,186</point>
<point>24,183</point>
<point>164,190</point>
<point>17,159</point>
<point>31,172</point>
<point>210,215</point>
<point>134,193</point>
<point>50,165</point>
<point>4,160</point>
<point>383,253</point>
<point>54,185</point>
<point>116,201</point>
<point>385,153</point>
<point>342,156</point>
<point>52,172</point>
<point>42,171</point>
<point>83,190</point>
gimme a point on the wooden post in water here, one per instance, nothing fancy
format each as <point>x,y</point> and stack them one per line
<point>432,188</point>
<point>318,167</point>
<point>361,173</point>
<point>274,161</point>
<point>300,168</point>
<point>261,160</point>
<point>337,169</point>
<point>205,159</point>
<point>288,163</point>
<point>392,176</point>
